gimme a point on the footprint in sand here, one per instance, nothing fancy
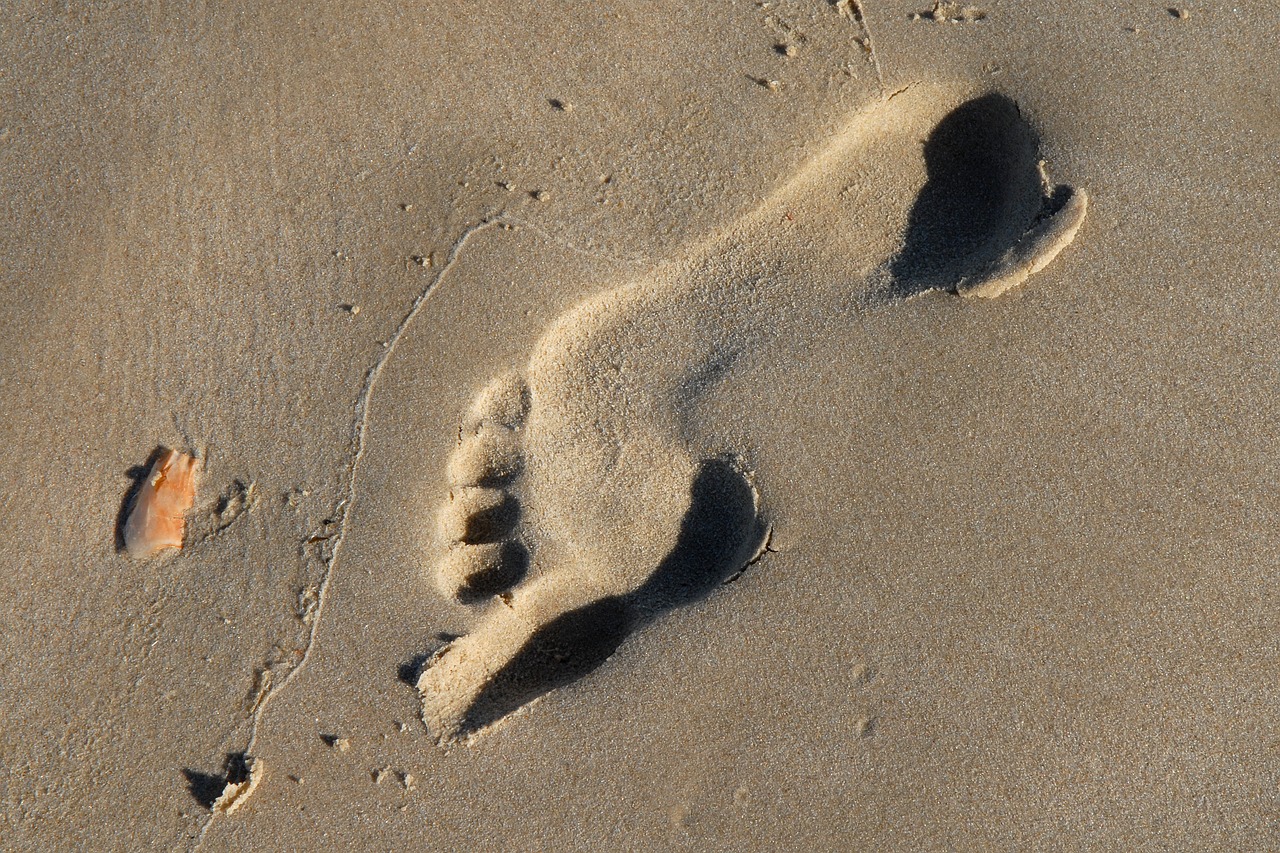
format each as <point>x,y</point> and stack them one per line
<point>579,507</point>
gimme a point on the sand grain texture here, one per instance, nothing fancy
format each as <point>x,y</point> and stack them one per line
<point>1019,583</point>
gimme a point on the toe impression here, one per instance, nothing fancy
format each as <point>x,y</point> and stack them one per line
<point>490,456</point>
<point>503,402</point>
<point>472,573</point>
<point>475,515</point>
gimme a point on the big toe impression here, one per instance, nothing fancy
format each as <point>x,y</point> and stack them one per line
<point>986,215</point>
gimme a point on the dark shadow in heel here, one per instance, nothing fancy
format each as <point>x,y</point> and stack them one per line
<point>561,652</point>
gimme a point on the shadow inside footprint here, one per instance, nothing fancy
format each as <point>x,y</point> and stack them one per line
<point>720,533</point>
<point>982,193</point>
<point>411,670</point>
<point>562,651</point>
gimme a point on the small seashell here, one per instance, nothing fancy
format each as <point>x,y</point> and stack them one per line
<point>156,519</point>
<point>235,793</point>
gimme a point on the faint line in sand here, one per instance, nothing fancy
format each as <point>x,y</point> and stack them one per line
<point>343,510</point>
<point>871,43</point>
<point>854,9</point>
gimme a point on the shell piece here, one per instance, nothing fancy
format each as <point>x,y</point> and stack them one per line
<point>234,794</point>
<point>156,519</point>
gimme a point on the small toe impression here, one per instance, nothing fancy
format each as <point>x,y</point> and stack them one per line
<point>471,573</point>
<point>503,402</point>
<point>985,215</point>
<point>475,515</point>
<point>490,456</point>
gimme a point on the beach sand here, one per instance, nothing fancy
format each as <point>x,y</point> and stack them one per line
<point>821,555</point>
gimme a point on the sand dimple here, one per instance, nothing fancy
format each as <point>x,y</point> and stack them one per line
<point>597,432</point>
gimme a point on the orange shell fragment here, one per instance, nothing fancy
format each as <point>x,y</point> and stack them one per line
<point>156,519</point>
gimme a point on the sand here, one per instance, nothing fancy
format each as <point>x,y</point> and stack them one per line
<point>818,555</point>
